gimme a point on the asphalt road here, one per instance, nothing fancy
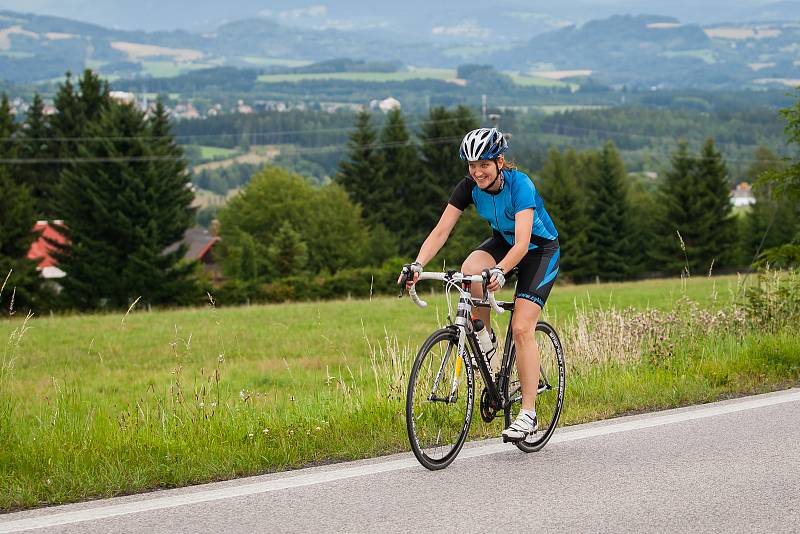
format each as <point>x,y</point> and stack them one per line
<point>732,466</point>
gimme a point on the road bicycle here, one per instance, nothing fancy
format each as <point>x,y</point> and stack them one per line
<point>441,386</point>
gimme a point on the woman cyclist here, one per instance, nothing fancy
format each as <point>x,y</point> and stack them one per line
<point>523,236</point>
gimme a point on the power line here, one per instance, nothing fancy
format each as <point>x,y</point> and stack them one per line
<point>239,134</point>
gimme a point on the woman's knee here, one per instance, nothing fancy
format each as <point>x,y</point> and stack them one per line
<point>522,331</point>
<point>477,262</point>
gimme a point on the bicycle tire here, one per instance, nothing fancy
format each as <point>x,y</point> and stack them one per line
<point>432,447</point>
<point>552,383</point>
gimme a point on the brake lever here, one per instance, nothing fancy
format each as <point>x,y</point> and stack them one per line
<point>403,281</point>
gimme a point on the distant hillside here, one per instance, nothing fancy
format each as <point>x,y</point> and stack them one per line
<point>659,51</point>
<point>638,51</point>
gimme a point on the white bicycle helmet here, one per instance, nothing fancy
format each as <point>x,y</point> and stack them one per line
<point>483,143</point>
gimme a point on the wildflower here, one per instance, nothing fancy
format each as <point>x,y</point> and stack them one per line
<point>318,429</point>
<point>221,358</point>
<point>250,435</point>
<point>266,431</point>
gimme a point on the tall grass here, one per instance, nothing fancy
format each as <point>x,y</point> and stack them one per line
<point>166,399</point>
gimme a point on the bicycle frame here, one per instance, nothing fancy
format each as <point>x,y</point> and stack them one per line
<point>463,323</point>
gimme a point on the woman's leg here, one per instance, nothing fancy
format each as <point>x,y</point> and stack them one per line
<point>523,324</point>
<point>475,264</point>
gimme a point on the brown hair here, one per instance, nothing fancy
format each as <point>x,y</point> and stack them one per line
<point>509,165</point>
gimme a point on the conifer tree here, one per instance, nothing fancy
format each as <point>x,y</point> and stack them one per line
<point>609,212</point>
<point>717,244</point>
<point>76,109</point>
<point>565,203</point>
<point>643,239</point>
<point>403,183</point>
<point>288,253</point>
<point>361,171</point>
<point>123,202</point>
<point>679,238</point>
<point>442,168</point>
<point>17,218</point>
<point>36,144</point>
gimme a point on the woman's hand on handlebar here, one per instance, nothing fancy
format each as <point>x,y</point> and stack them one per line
<point>496,278</point>
<point>410,274</point>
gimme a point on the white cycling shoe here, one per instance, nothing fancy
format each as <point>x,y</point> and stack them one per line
<point>523,426</point>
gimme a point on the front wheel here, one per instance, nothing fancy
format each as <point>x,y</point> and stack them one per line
<point>439,400</point>
<point>550,395</point>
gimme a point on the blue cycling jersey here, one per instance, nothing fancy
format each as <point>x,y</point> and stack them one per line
<point>518,194</point>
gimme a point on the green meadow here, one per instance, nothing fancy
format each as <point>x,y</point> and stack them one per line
<point>108,404</point>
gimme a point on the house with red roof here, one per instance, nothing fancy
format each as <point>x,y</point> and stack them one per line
<point>41,250</point>
<point>199,246</point>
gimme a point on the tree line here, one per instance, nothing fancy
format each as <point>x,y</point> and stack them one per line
<point>114,184</point>
<point>118,181</point>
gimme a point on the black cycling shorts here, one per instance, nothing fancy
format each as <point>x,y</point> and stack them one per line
<point>537,270</point>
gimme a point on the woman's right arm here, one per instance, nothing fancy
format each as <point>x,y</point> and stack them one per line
<point>438,236</point>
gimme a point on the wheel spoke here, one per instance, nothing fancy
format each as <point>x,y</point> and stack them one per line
<point>439,401</point>
<point>549,398</point>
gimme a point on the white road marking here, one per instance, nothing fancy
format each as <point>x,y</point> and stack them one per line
<point>344,472</point>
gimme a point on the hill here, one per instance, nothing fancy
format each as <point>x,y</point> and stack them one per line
<point>635,51</point>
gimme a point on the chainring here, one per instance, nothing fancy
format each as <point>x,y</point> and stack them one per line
<point>488,412</point>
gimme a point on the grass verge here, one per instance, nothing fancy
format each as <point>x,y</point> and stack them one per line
<point>95,406</point>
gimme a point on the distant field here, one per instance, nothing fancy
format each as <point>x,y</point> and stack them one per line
<point>540,81</point>
<point>707,56</point>
<point>436,74</point>
<point>257,155</point>
<point>271,61</point>
<point>561,74</point>
<point>204,198</point>
<point>214,152</point>
<point>137,51</point>
<point>170,69</point>
<point>736,33</point>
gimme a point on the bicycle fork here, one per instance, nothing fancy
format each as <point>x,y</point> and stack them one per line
<point>459,367</point>
<point>462,318</point>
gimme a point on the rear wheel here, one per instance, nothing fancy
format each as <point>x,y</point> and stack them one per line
<point>550,396</point>
<point>439,400</point>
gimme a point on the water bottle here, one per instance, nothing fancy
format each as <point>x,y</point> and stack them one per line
<point>485,342</point>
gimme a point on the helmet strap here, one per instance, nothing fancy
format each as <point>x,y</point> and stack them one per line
<point>499,175</point>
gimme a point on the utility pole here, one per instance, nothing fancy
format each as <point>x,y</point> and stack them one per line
<point>483,109</point>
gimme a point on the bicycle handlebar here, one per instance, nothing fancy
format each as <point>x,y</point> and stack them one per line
<point>455,277</point>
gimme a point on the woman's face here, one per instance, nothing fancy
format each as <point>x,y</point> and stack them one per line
<point>484,171</point>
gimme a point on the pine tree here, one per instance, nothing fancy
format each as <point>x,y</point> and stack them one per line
<point>442,169</point>
<point>36,144</point>
<point>402,184</point>
<point>75,111</point>
<point>122,212</point>
<point>361,172</point>
<point>643,239</point>
<point>17,218</point>
<point>288,253</point>
<point>676,225</point>
<point>565,203</point>
<point>609,213</point>
<point>718,227</point>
